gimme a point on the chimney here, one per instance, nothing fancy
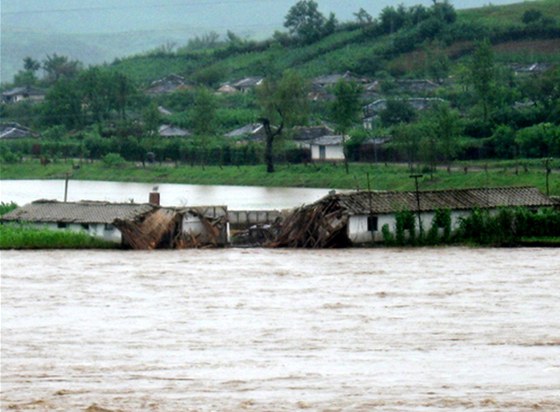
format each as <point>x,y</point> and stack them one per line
<point>154,198</point>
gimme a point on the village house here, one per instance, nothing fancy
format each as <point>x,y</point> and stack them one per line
<point>166,85</point>
<point>248,83</point>
<point>137,226</point>
<point>328,148</point>
<point>252,132</point>
<point>167,130</point>
<point>24,93</point>
<point>346,219</point>
<point>372,110</point>
<point>94,218</point>
<point>13,130</point>
<point>227,88</point>
<point>416,86</point>
<point>303,136</point>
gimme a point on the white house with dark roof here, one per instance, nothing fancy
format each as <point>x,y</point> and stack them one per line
<point>23,93</point>
<point>328,148</point>
<point>344,219</point>
<point>370,211</point>
<point>93,218</point>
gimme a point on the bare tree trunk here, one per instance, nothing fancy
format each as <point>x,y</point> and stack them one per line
<point>270,135</point>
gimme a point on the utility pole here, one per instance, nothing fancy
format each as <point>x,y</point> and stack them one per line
<point>416,177</point>
<point>66,187</point>
<point>548,171</point>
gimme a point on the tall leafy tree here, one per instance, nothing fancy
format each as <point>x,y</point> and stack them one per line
<point>346,109</point>
<point>203,113</point>
<point>57,67</point>
<point>283,103</point>
<point>122,91</point>
<point>307,23</point>
<point>96,89</point>
<point>63,105</point>
<point>483,75</point>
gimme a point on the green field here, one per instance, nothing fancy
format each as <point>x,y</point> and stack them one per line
<point>381,176</point>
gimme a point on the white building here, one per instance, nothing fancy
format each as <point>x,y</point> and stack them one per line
<point>328,149</point>
<point>346,219</point>
<point>93,218</point>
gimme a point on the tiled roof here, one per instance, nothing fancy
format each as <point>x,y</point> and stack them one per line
<point>333,140</point>
<point>50,211</point>
<point>455,199</point>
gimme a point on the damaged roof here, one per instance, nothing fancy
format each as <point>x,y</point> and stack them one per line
<point>360,203</point>
<point>50,211</point>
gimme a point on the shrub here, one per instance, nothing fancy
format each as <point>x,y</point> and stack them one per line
<point>113,159</point>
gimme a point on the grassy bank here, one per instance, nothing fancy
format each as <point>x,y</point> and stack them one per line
<point>381,176</point>
<point>22,237</point>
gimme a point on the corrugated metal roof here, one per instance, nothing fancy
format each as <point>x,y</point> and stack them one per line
<point>456,199</point>
<point>50,211</point>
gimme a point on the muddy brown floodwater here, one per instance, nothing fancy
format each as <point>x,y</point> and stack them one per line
<point>281,330</point>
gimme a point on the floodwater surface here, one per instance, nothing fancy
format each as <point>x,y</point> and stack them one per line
<point>281,330</point>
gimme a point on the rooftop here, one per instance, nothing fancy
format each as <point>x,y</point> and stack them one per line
<point>456,199</point>
<point>51,211</point>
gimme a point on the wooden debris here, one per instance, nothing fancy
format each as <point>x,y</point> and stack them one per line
<point>320,225</point>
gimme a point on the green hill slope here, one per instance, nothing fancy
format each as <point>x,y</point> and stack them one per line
<point>361,50</point>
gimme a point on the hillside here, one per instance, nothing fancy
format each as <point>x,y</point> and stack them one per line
<point>422,85</point>
<point>356,49</point>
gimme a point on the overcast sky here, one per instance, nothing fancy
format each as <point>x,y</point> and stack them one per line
<point>240,16</point>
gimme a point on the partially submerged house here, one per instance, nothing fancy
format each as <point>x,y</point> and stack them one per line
<point>341,220</point>
<point>138,226</point>
<point>95,218</point>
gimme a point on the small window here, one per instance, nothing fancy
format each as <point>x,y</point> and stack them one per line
<point>109,227</point>
<point>372,223</point>
<point>85,226</point>
<point>61,225</point>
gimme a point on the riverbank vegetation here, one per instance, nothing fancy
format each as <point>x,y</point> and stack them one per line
<point>376,176</point>
<point>506,228</point>
<point>13,236</point>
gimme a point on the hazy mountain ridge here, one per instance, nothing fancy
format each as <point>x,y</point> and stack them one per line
<point>102,31</point>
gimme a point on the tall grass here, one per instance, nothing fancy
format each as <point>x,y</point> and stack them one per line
<point>13,236</point>
<point>7,207</point>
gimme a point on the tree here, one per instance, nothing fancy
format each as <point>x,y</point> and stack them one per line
<point>483,75</point>
<point>151,119</point>
<point>306,22</point>
<point>31,64</point>
<point>123,90</point>
<point>446,126</point>
<point>96,89</point>
<point>397,111</point>
<point>363,17</point>
<point>27,76</point>
<point>63,105</point>
<point>283,102</point>
<point>57,67</point>
<point>345,109</point>
<point>437,62</point>
<point>203,114</point>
